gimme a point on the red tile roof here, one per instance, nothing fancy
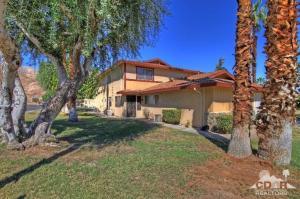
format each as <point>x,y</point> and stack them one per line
<point>176,85</point>
<point>220,78</point>
<point>157,63</point>
<point>215,74</point>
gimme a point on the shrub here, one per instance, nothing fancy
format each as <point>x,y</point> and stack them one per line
<point>224,124</point>
<point>188,124</point>
<point>146,113</point>
<point>172,116</point>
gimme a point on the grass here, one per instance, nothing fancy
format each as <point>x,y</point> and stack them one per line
<point>109,159</point>
<point>296,148</point>
<point>295,151</point>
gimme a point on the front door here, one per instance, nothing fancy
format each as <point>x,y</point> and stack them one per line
<point>131,105</point>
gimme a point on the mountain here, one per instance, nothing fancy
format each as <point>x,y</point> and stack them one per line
<point>29,82</point>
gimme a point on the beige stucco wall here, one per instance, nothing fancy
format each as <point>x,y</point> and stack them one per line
<point>160,75</point>
<point>196,104</point>
<point>138,85</point>
<point>222,100</point>
<point>199,102</point>
<point>110,85</point>
<point>184,99</point>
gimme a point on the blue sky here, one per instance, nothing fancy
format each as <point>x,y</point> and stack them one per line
<point>196,34</point>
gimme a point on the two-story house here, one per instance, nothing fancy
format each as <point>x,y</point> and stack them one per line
<point>144,89</point>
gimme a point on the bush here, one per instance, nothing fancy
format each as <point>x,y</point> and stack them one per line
<point>224,124</point>
<point>146,113</point>
<point>172,116</point>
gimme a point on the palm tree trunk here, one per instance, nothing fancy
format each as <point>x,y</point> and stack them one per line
<point>240,146</point>
<point>277,114</point>
<point>254,55</point>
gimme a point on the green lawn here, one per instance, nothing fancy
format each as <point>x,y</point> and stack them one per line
<point>108,159</point>
<point>111,158</point>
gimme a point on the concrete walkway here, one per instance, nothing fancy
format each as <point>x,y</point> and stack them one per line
<point>221,140</point>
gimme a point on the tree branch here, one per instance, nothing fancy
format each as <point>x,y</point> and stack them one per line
<point>76,56</point>
<point>62,74</point>
<point>87,62</point>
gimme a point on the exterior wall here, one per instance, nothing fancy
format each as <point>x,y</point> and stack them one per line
<point>160,76</point>
<point>201,103</point>
<point>222,100</point>
<point>257,101</point>
<point>198,107</point>
<point>187,100</point>
<point>110,85</point>
<point>139,85</point>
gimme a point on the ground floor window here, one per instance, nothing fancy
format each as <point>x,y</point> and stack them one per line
<point>151,99</point>
<point>146,99</point>
<point>109,102</point>
<point>138,103</point>
<point>119,101</point>
<point>156,99</point>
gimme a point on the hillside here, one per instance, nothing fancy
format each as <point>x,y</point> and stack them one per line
<point>31,86</point>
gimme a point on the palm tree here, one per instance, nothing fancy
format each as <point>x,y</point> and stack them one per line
<point>259,18</point>
<point>240,141</point>
<point>277,114</point>
<point>260,80</point>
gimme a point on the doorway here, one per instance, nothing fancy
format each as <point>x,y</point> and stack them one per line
<point>131,105</point>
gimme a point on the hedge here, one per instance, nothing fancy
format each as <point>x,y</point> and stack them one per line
<point>224,124</point>
<point>171,116</point>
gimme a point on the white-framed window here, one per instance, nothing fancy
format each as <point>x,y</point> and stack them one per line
<point>144,74</point>
<point>151,99</point>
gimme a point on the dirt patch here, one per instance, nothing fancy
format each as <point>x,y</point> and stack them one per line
<point>228,177</point>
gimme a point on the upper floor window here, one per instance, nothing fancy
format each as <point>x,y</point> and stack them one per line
<point>144,74</point>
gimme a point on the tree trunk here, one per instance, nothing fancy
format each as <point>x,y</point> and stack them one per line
<point>6,121</point>
<point>40,129</point>
<point>254,55</point>
<point>19,109</point>
<point>240,146</point>
<point>277,114</point>
<point>73,117</point>
<point>9,63</point>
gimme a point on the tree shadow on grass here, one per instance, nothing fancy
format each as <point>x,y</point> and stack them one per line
<point>98,132</point>
<point>221,141</point>
<point>218,140</point>
<point>95,132</point>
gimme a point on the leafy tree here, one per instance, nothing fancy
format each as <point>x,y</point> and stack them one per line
<point>220,64</point>
<point>277,114</point>
<point>48,79</point>
<point>240,141</point>
<point>87,32</point>
<point>90,87</point>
